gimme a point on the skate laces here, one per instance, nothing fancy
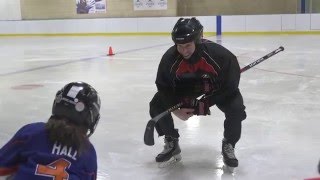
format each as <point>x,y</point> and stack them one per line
<point>168,145</point>
<point>229,151</point>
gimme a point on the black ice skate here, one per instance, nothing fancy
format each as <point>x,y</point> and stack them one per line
<point>229,158</point>
<point>170,153</point>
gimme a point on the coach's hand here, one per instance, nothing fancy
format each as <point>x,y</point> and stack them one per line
<point>184,113</point>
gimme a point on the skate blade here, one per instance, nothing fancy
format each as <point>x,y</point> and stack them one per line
<point>228,169</point>
<point>173,160</point>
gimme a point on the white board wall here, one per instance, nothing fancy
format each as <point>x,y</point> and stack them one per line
<point>251,23</point>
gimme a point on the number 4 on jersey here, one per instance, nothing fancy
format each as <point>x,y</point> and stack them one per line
<point>56,170</point>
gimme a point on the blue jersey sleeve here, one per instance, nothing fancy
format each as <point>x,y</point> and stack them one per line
<point>9,153</point>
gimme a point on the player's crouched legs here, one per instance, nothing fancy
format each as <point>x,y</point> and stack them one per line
<point>232,135</point>
<point>235,113</point>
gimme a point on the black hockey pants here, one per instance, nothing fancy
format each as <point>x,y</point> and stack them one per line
<point>233,109</point>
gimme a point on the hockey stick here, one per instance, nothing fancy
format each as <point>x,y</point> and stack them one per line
<point>262,59</point>
<point>149,132</point>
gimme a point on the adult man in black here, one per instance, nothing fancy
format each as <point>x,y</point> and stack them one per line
<point>192,68</point>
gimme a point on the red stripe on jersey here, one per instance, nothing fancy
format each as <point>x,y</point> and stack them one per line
<point>8,171</point>
<point>200,66</point>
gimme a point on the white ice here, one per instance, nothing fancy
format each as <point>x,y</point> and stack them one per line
<point>280,137</point>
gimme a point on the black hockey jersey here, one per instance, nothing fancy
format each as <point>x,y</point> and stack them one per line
<point>209,58</point>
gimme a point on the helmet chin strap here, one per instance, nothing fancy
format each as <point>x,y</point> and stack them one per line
<point>88,135</point>
<point>94,123</point>
<point>91,128</point>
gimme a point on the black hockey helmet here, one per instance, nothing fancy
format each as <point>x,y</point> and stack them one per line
<point>79,103</point>
<point>187,30</point>
<point>198,25</point>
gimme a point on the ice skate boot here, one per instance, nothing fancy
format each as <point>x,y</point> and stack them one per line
<point>170,153</point>
<point>229,157</point>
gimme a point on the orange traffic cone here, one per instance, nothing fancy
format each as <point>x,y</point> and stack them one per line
<point>110,53</point>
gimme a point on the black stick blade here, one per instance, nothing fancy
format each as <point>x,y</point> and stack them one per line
<point>281,48</point>
<point>149,133</point>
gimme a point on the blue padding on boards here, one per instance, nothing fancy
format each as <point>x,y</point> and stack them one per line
<point>218,25</point>
<point>303,6</point>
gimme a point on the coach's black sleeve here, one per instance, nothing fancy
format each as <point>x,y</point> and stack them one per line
<point>230,78</point>
<point>164,82</point>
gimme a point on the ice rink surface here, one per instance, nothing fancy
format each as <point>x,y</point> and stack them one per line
<point>280,137</point>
